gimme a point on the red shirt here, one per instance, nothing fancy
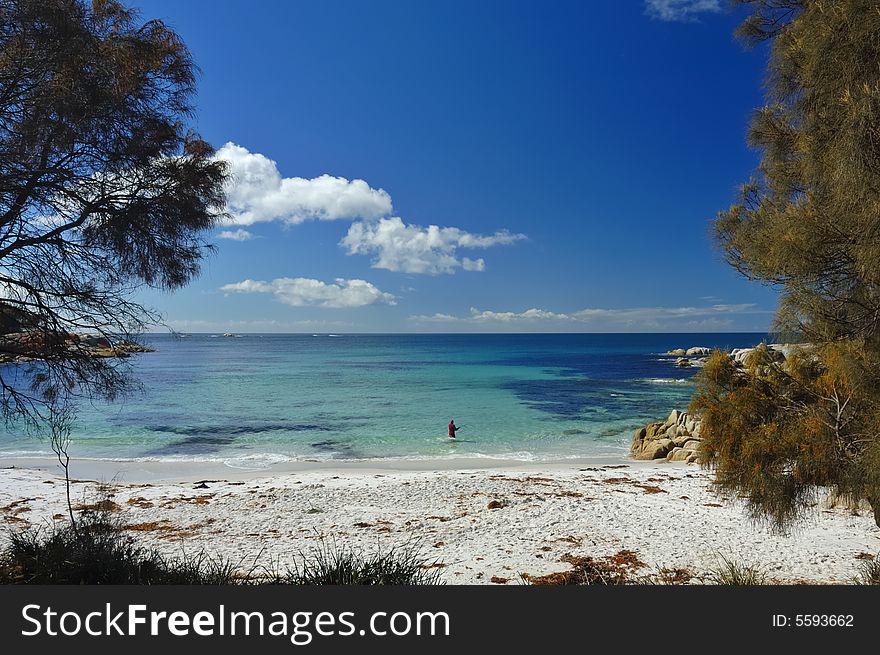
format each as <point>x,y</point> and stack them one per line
<point>452,428</point>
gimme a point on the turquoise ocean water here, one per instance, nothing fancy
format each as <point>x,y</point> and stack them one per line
<point>253,400</point>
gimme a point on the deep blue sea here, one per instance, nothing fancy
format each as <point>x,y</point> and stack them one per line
<point>253,400</point>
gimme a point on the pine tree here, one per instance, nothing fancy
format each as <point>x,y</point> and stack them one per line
<point>808,224</point>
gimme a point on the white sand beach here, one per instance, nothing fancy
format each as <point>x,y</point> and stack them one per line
<point>665,513</point>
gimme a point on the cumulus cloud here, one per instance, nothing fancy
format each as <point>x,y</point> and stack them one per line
<point>469,264</point>
<point>236,235</point>
<point>397,246</point>
<point>602,319</point>
<point>680,10</point>
<point>257,192</point>
<point>306,292</point>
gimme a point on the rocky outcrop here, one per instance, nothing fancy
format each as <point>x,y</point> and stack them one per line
<point>20,347</point>
<point>698,355</point>
<point>690,357</point>
<point>677,439</point>
<point>778,351</point>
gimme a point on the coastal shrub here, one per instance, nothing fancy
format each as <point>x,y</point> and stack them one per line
<point>98,551</point>
<point>806,224</point>
<point>869,573</point>
<point>330,564</point>
<point>733,573</point>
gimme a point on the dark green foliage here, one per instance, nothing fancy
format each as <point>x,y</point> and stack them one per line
<point>329,564</point>
<point>808,224</point>
<point>104,187</point>
<point>99,551</point>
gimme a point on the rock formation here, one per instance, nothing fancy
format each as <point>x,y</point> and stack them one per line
<point>20,347</point>
<point>677,439</point>
<point>690,357</point>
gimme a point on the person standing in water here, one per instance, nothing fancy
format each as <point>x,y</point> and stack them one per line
<point>452,428</point>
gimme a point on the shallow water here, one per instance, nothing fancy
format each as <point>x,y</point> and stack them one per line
<point>259,399</point>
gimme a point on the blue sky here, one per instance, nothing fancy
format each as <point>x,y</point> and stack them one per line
<point>570,155</point>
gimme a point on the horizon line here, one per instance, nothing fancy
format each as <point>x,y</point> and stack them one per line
<point>171,332</point>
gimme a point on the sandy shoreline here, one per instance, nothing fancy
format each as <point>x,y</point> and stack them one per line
<point>665,513</point>
<point>138,471</point>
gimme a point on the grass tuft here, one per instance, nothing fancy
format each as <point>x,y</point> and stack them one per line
<point>729,572</point>
<point>869,573</point>
<point>100,551</point>
<point>329,564</point>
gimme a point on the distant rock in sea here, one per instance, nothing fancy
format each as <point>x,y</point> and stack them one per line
<point>20,347</point>
<point>695,356</point>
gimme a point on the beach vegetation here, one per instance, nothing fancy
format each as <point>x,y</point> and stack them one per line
<point>869,571</point>
<point>778,430</point>
<point>733,573</point>
<point>331,564</point>
<point>99,549</point>
<point>106,189</point>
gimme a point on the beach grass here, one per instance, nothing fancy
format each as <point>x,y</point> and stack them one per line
<point>869,574</point>
<point>734,573</point>
<point>331,564</point>
<point>97,550</point>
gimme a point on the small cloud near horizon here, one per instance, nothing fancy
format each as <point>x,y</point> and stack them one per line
<point>681,11</point>
<point>306,292</point>
<point>708,318</point>
<point>405,248</point>
<point>236,235</point>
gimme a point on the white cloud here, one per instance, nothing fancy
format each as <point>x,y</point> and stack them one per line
<point>652,315</point>
<point>533,314</point>
<point>434,318</point>
<point>469,264</point>
<point>303,292</point>
<point>680,10</point>
<point>257,192</point>
<point>236,235</point>
<point>416,249</point>
<point>603,319</point>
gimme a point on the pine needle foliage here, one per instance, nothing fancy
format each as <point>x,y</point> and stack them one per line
<point>808,224</point>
